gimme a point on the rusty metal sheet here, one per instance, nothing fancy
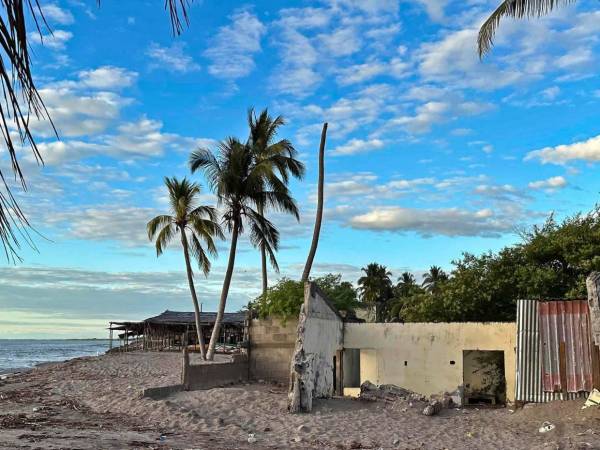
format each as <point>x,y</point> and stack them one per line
<point>528,383</point>
<point>565,322</point>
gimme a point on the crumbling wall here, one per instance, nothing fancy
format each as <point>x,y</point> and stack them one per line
<point>272,343</point>
<point>319,337</point>
<point>427,358</point>
<point>210,375</point>
<point>593,289</point>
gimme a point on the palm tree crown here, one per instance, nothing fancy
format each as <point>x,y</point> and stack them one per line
<point>197,221</point>
<point>433,278</point>
<point>375,284</point>
<point>280,155</point>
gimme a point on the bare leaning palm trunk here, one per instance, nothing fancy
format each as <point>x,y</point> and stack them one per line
<point>226,283</point>
<point>190,277</point>
<point>319,219</point>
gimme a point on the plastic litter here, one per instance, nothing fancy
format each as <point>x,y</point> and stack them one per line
<point>546,426</point>
<point>593,399</point>
<point>251,438</point>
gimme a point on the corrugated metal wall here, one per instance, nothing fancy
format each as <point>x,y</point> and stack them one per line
<point>529,359</point>
<point>566,323</point>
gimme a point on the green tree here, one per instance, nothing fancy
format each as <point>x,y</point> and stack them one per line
<point>375,288</point>
<point>195,224</point>
<point>242,184</point>
<point>285,298</point>
<point>281,155</point>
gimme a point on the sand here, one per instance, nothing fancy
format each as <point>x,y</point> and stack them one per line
<point>96,403</point>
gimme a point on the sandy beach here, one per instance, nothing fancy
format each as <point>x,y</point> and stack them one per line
<point>96,402</point>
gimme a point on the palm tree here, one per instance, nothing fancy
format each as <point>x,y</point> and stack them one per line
<point>21,101</point>
<point>194,222</point>
<point>406,282</point>
<point>282,157</point>
<point>242,184</point>
<point>433,278</point>
<point>319,217</point>
<point>375,287</point>
<point>517,9</point>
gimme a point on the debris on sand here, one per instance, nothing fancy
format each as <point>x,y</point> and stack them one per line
<point>386,392</point>
<point>433,408</point>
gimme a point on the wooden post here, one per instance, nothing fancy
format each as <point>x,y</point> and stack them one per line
<point>185,369</point>
<point>563,369</point>
<point>595,366</point>
<point>110,335</point>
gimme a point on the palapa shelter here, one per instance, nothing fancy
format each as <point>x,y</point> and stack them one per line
<point>176,329</point>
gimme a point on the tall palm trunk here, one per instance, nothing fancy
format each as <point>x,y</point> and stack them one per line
<point>225,291</point>
<point>318,220</point>
<point>263,261</point>
<point>263,258</point>
<point>190,277</point>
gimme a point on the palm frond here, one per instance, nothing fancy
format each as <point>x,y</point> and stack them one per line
<point>157,223</point>
<point>199,254</point>
<point>164,237</point>
<point>517,9</point>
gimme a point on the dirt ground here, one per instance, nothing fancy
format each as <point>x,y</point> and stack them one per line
<point>96,403</point>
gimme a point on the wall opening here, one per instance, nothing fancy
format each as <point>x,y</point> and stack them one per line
<point>351,367</point>
<point>484,377</point>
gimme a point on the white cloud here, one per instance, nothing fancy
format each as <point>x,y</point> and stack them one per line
<point>550,184</point>
<point>231,52</point>
<point>171,58</point>
<point>341,42</point>
<point>428,222</point>
<point>588,150</point>
<point>359,73</point>
<point>57,40</point>
<point>107,78</point>
<point>54,13</point>
<point>354,146</point>
<point>434,8</point>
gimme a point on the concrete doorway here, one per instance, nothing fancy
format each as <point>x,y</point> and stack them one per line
<point>484,377</point>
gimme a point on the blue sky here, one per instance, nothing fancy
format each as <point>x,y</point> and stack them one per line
<point>431,152</point>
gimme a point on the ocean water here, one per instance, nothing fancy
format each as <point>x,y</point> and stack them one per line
<point>27,353</point>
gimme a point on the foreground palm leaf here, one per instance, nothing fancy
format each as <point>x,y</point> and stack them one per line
<point>22,102</point>
<point>193,221</point>
<point>280,155</point>
<point>243,184</point>
<point>517,9</point>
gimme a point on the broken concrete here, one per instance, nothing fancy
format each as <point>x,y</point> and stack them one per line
<point>320,336</point>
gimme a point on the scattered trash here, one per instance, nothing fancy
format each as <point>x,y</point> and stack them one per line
<point>434,407</point>
<point>303,429</point>
<point>593,399</point>
<point>162,438</point>
<point>251,438</point>
<point>297,439</point>
<point>510,411</point>
<point>396,441</point>
<point>469,434</point>
<point>546,426</point>
<point>267,429</point>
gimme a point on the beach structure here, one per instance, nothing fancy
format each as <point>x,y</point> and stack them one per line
<point>172,330</point>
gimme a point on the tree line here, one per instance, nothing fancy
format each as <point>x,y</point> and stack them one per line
<point>550,261</point>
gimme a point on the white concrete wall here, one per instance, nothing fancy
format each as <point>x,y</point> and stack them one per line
<point>323,336</point>
<point>428,349</point>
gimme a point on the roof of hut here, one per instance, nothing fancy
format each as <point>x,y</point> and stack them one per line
<point>183,318</point>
